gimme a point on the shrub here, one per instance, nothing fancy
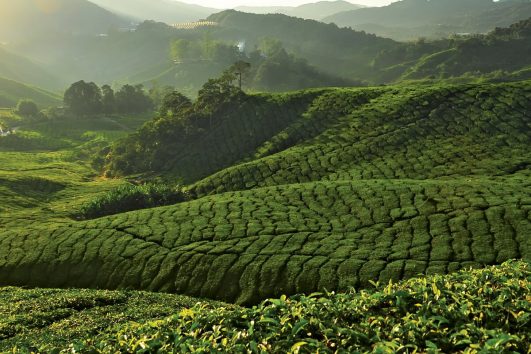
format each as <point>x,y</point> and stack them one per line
<point>27,108</point>
<point>133,197</point>
<point>485,311</point>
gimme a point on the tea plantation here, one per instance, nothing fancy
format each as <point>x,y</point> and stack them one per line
<point>484,311</point>
<point>311,191</point>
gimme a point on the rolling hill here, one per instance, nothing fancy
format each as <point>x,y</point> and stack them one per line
<point>500,55</point>
<point>308,39</point>
<point>411,19</point>
<point>307,191</point>
<point>311,11</point>
<point>11,92</point>
<point>167,11</point>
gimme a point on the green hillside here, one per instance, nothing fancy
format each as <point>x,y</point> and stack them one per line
<point>316,190</point>
<point>11,92</point>
<point>499,55</point>
<point>18,68</point>
<point>408,20</point>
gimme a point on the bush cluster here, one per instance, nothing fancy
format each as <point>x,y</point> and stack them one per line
<point>133,197</point>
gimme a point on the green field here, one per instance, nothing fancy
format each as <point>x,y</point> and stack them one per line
<point>311,191</point>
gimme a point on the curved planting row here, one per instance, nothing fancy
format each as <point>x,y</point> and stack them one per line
<point>415,133</point>
<point>251,245</point>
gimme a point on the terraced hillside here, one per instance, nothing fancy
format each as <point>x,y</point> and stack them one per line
<point>404,133</point>
<point>405,181</point>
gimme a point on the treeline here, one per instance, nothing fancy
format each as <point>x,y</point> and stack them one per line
<point>87,98</point>
<point>179,122</point>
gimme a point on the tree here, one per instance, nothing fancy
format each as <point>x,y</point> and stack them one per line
<point>240,69</point>
<point>132,99</point>
<point>27,108</point>
<point>173,103</point>
<point>108,101</point>
<point>83,98</point>
<point>217,91</point>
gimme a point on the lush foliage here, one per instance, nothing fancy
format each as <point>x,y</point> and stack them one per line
<point>477,311</point>
<point>321,189</point>
<point>36,318</point>
<point>133,197</point>
<point>27,108</point>
<point>83,98</point>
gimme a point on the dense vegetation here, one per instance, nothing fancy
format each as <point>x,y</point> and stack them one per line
<point>133,197</point>
<point>32,320</point>
<point>83,98</point>
<point>470,311</point>
<point>358,185</point>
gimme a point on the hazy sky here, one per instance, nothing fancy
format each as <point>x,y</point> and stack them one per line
<point>223,4</point>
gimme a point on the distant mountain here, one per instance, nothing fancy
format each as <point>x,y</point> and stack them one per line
<point>168,11</point>
<point>12,91</point>
<point>18,68</point>
<point>500,55</point>
<point>26,19</point>
<point>411,19</point>
<point>322,9</point>
<point>312,11</point>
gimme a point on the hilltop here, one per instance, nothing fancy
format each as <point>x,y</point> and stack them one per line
<point>25,20</point>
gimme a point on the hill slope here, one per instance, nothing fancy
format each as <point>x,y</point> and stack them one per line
<point>354,186</point>
<point>30,19</point>
<point>411,19</point>
<point>11,92</point>
<point>18,68</point>
<point>334,50</point>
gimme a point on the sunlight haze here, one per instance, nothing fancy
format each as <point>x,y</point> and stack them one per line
<point>234,3</point>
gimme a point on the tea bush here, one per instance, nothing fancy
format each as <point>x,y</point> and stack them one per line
<point>472,311</point>
<point>133,197</point>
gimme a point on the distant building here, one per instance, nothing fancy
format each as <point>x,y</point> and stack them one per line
<point>194,25</point>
